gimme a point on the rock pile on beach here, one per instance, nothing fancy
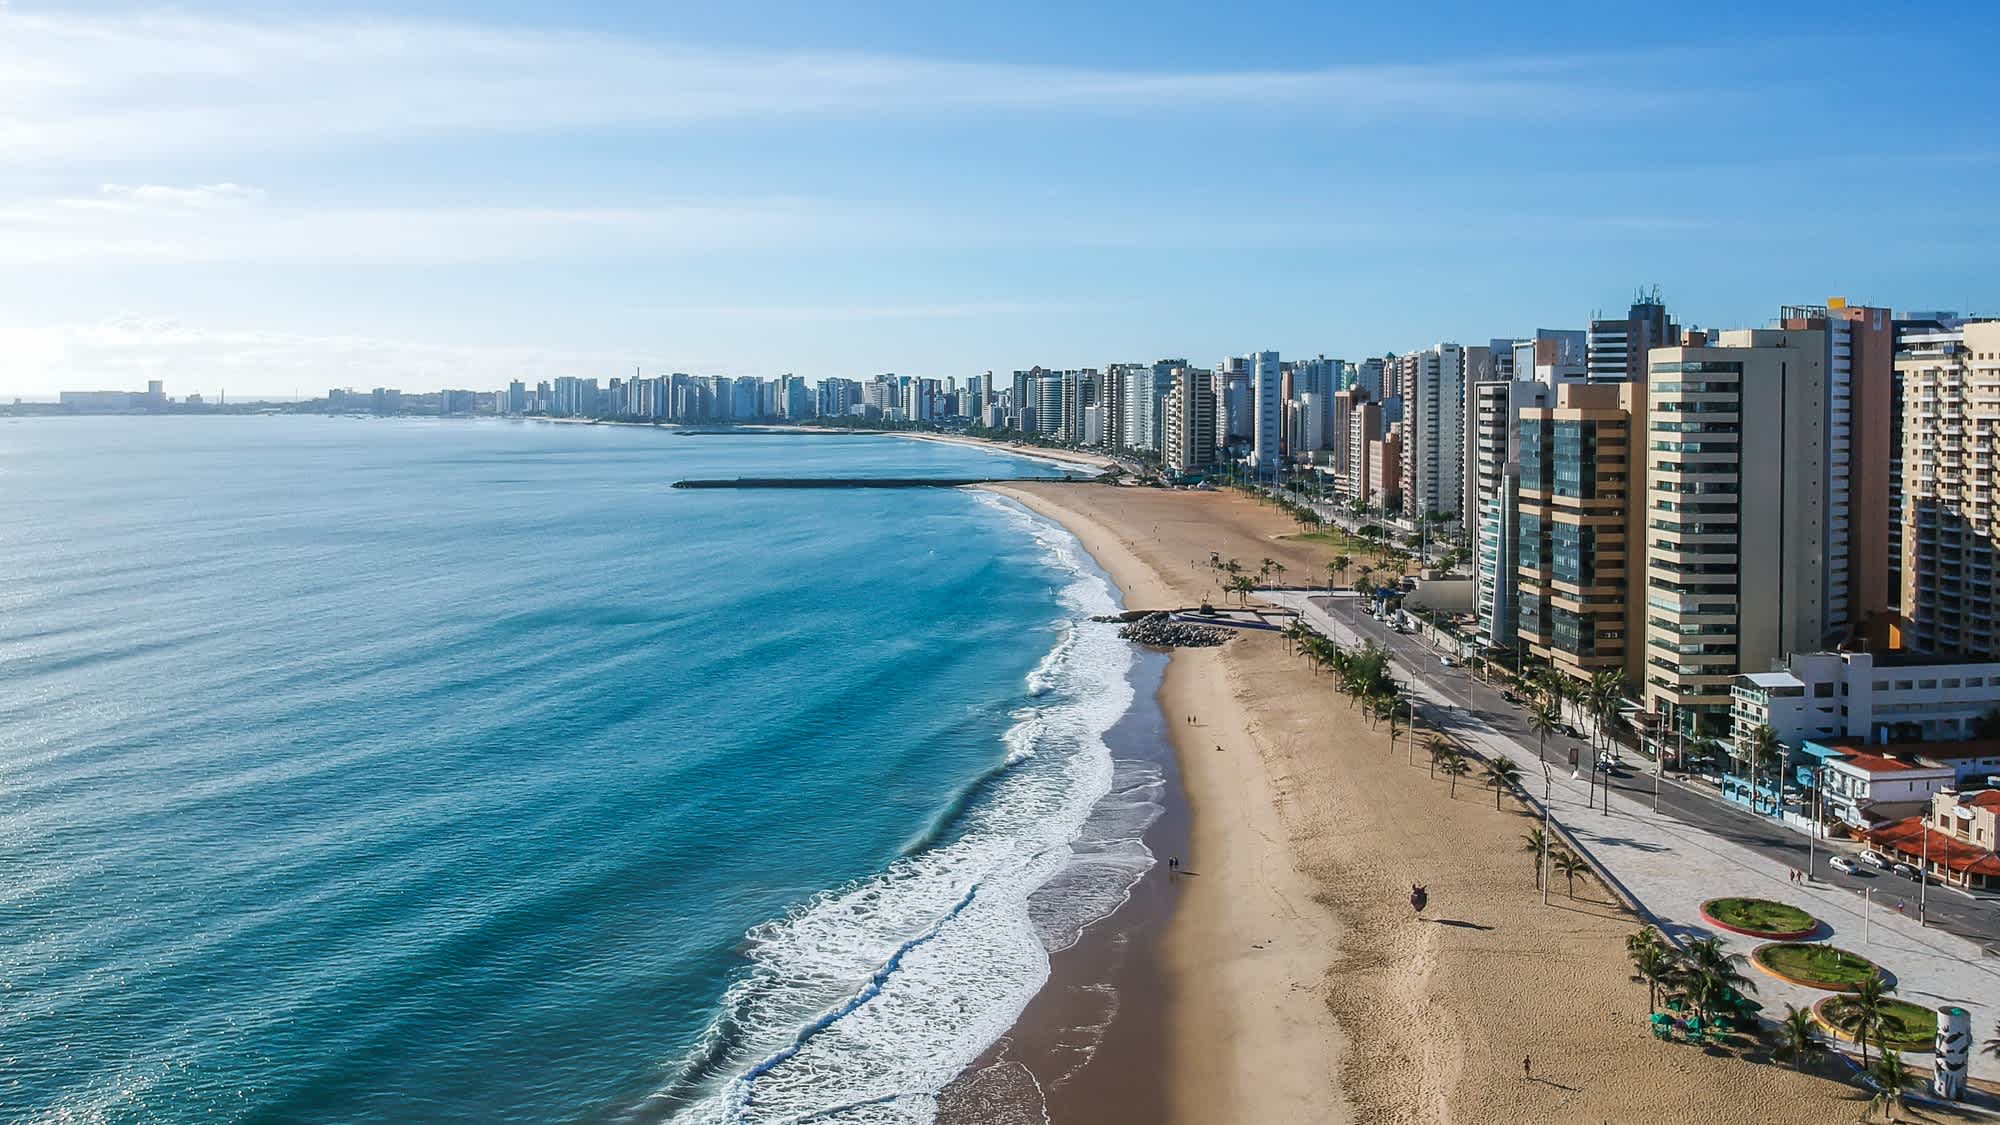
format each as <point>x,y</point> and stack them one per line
<point>1160,630</point>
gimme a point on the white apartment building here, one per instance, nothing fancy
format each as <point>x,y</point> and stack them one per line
<point>1493,496</point>
<point>1951,520</point>
<point>1434,425</point>
<point>1267,408</point>
<point>1864,697</point>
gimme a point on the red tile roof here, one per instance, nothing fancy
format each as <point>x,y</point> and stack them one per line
<point>1942,751</point>
<point>1907,838</point>
<point>1984,799</point>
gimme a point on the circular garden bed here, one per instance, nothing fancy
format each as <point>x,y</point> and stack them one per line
<point>1905,1026</point>
<point>1759,917</point>
<point>1815,965</point>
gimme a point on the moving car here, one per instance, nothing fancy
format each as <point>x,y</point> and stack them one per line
<point>1447,662</point>
<point>1875,859</point>
<point>1570,730</point>
<point>1905,870</point>
<point>1509,696</point>
<point>1841,863</point>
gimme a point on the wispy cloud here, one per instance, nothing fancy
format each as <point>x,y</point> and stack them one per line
<point>78,85</point>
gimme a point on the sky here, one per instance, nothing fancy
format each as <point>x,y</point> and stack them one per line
<point>274,199</point>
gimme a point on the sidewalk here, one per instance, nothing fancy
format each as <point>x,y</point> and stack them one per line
<point>1672,867</point>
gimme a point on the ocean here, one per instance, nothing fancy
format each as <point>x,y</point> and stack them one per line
<point>362,770</point>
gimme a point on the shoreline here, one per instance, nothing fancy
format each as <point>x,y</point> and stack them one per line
<point>1242,1035</point>
<point>1295,983</point>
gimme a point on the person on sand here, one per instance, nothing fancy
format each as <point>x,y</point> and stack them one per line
<point>1528,1068</point>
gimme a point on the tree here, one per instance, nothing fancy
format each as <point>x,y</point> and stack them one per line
<point>1502,774</point>
<point>1861,1011</point>
<point>1992,1046</point>
<point>1454,767</point>
<point>1244,586</point>
<point>1798,1036</point>
<point>1278,569</point>
<point>1763,743</point>
<point>1439,747</point>
<point>1708,973</point>
<point>1652,963</point>
<point>1537,841</point>
<point>1296,635</point>
<point>1569,865</point>
<point>1543,720</point>
<point>1264,567</point>
<point>1339,567</point>
<point>1891,1077</point>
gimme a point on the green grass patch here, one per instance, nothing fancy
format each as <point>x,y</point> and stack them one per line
<point>1333,537</point>
<point>1760,914</point>
<point>1820,965</point>
<point>1905,1026</point>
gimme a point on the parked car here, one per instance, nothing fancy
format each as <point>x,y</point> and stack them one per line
<point>1842,863</point>
<point>1570,730</point>
<point>1905,870</point>
<point>1509,696</point>
<point>1875,859</point>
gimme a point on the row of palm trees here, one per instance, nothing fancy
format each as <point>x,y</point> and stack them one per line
<point>1561,861</point>
<point>1599,699</point>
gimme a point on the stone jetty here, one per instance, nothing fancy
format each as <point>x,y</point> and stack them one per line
<point>1160,630</point>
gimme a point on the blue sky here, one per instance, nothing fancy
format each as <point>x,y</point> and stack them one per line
<point>268,197</point>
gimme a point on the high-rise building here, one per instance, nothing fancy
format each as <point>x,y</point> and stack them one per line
<point>1616,349</point>
<point>1048,403</point>
<point>1737,530</point>
<point>1231,384</point>
<point>1434,447</point>
<point>1360,426</point>
<point>1493,498</point>
<point>1860,377</point>
<point>1267,409</point>
<point>1081,389</point>
<point>1190,436</point>
<point>1553,356</point>
<point>1580,599</point>
<point>1951,425</point>
<point>1368,375</point>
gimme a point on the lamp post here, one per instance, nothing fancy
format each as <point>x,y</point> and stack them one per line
<point>1924,866</point>
<point>1812,830</point>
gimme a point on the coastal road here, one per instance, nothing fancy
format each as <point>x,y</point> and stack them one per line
<point>1952,911</point>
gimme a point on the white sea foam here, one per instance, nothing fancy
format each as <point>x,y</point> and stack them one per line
<point>863,1004</point>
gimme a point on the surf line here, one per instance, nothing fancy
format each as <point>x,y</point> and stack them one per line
<point>876,981</point>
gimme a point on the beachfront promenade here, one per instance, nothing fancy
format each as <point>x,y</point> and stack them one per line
<point>1671,866</point>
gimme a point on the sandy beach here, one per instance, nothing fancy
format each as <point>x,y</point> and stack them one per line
<point>1066,456</point>
<point>1299,985</point>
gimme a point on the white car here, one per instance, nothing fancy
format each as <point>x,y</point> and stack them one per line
<point>1875,859</point>
<point>1841,863</point>
<point>1447,662</point>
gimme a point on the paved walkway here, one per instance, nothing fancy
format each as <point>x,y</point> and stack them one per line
<point>1671,867</point>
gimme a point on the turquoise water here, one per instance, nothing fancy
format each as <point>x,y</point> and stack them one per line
<point>358,771</point>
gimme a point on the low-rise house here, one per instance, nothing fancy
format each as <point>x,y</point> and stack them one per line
<point>1868,786</point>
<point>1953,839</point>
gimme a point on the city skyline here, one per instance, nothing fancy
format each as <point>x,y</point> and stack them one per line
<point>273,199</point>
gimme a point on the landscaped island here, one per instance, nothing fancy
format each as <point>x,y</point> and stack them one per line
<point>1759,917</point>
<point>1816,966</point>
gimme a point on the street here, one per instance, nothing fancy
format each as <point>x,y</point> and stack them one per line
<point>1948,910</point>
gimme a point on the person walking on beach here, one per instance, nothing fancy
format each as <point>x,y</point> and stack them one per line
<point>1528,1068</point>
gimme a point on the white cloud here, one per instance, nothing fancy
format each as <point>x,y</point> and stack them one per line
<point>75,85</point>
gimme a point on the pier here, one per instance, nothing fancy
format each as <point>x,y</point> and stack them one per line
<point>865,482</point>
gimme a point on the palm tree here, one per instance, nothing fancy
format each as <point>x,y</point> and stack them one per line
<point>1604,692</point>
<point>1861,1012</point>
<point>1264,566</point>
<point>1570,866</point>
<point>1439,747</point>
<point>1542,720</point>
<point>1763,743</point>
<point>1891,1077</point>
<point>1502,774</point>
<point>1798,1035</point>
<point>1296,634</point>
<point>1652,963</point>
<point>1709,972</point>
<point>1338,566</point>
<point>1992,1046</point>
<point>1536,841</point>
<point>1454,767</point>
<point>1278,569</point>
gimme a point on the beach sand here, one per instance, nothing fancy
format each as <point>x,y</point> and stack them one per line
<point>1300,987</point>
